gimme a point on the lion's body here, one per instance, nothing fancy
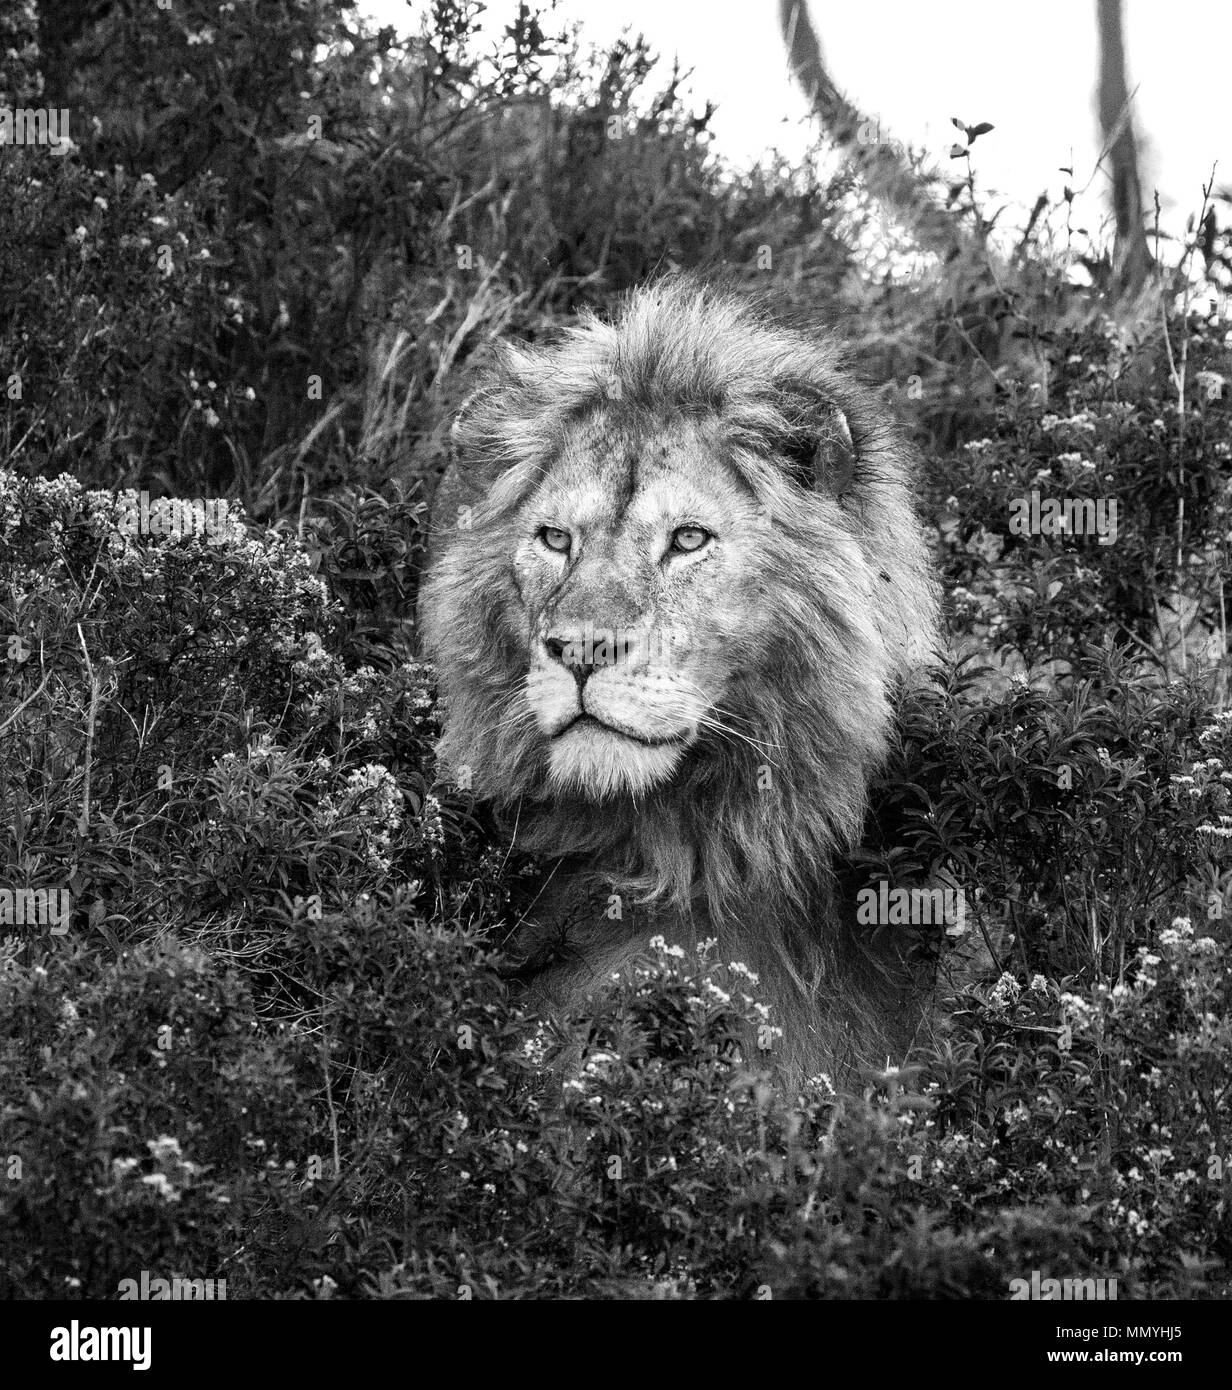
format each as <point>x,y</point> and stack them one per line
<point>667,618</point>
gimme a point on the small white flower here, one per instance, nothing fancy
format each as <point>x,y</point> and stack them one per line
<point>1005,992</point>
<point>164,1147</point>
<point>160,1184</point>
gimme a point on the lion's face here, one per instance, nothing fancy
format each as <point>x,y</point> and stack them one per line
<point>675,570</point>
<point>630,561</point>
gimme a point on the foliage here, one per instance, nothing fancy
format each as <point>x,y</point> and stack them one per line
<point>275,1041</point>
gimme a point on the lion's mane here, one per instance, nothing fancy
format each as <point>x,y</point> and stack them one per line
<point>742,842</point>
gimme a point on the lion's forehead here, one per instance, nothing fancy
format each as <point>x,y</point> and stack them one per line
<point>617,477</point>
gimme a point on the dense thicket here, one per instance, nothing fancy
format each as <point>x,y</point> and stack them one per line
<point>271,1043</point>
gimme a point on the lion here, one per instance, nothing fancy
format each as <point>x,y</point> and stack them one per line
<point>677,577</point>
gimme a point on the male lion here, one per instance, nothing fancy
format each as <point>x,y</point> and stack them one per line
<point>681,574</point>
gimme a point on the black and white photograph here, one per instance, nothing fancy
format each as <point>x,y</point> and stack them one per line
<point>615,670</point>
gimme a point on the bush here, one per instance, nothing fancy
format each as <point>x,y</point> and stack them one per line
<point>275,1040</point>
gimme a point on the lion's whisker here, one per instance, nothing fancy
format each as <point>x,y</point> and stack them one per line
<point>734,735</point>
<point>709,719</point>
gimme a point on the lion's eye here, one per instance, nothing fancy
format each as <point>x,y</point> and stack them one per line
<point>688,538</point>
<point>555,539</point>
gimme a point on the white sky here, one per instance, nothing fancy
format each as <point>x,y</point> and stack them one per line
<point>1029,69</point>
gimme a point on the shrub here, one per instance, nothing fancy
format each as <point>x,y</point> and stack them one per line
<point>278,1043</point>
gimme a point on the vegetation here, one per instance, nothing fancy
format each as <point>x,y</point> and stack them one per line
<point>272,1043</point>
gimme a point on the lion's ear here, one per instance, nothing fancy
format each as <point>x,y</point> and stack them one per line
<point>824,455</point>
<point>463,419</point>
<point>474,457</point>
<point>479,435</point>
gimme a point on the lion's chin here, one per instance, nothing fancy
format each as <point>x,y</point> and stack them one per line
<point>600,763</point>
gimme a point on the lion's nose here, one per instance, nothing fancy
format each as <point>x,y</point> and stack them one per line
<point>586,653</point>
<point>583,656</point>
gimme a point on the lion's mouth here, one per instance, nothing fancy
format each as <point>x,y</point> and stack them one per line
<point>585,720</point>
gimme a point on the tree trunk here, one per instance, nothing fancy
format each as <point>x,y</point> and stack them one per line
<point>885,173</point>
<point>1131,259</point>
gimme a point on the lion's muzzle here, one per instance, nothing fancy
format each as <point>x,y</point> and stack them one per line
<point>615,704</point>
